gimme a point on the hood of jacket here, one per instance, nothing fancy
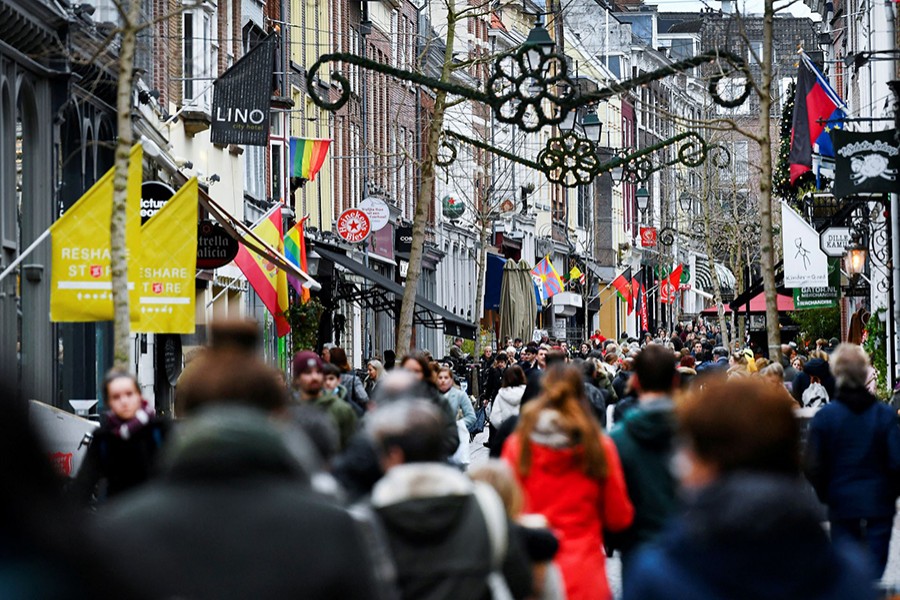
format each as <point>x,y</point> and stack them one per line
<point>226,442</point>
<point>652,424</point>
<point>419,501</point>
<point>553,450</point>
<point>511,395</point>
<point>752,524</point>
<point>857,400</point>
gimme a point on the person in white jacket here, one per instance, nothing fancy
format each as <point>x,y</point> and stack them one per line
<point>509,397</point>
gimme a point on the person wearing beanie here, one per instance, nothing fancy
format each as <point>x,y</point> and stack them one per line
<point>308,382</point>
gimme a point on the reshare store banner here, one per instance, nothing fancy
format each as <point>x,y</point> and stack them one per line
<point>242,97</point>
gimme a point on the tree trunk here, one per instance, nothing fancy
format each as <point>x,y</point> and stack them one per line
<point>481,270</point>
<point>424,200</point>
<point>767,249</point>
<point>118,255</point>
<point>717,288</point>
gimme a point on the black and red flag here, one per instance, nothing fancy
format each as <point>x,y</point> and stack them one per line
<point>622,285</point>
<point>817,110</point>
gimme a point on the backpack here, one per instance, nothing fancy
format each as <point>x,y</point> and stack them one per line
<point>814,396</point>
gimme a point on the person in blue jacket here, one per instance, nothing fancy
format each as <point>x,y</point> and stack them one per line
<point>749,529</point>
<point>853,458</point>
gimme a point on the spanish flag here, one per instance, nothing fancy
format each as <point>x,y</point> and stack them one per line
<point>307,157</point>
<point>268,281</point>
<point>80,274</point>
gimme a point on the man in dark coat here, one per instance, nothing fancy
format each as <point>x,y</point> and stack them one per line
<point>233,514</point>
<point>644,439</point>
<point>853,458</point>
<point>441,526</point>
<point>719,363</point>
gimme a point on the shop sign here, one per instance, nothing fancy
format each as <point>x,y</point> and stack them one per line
<point>377,211</point>
<point>154,195</point>
<point>215,248</point>
<point>834,240</point>
<point>821,297</point>
<point>648,237</point>
<point>353,225</point>
<point>403,239</point>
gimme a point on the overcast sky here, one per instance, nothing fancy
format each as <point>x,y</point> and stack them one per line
<point>747,6</point>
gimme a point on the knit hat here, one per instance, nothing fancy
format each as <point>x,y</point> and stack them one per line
<point>305,361</point>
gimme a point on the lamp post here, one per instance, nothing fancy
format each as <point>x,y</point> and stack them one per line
<point>643,200</point>
<point>539,45</point>
<point>855,259</point>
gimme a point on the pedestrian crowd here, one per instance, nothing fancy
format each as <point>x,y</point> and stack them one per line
<point>700,467</point>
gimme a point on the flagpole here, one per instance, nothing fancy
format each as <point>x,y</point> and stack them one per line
<point>25,254</point>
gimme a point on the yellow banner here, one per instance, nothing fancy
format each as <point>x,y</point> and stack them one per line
<point>80,277</point>
<point>168,262</point>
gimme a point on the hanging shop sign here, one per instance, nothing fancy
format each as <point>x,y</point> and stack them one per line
<point>378,212</point>
<point>215,248</point>
<point>865,162</point>
<point>453,207</point>
<point>805,265</point>
<point>834,240</point>
<point>648,237</point>
<point>154,195</point>
<point>821,297</point>
<point>403,239</point>
<point>353,226</point>
<point>242,98</point>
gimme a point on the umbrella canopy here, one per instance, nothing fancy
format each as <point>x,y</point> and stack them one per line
<point>757,305</point>
<point>518,309</point>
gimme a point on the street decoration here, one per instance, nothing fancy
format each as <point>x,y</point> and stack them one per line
<point>80,275</point>
<point>168,264</point>
<point>817,110</point>
<point>242,97</point>
<point>805,265</point>
<point>307,157</point>
<point>547,278</point>
<point>267,280</point>
<point>353,226</point>
<point>295,251</point>
<point>531,96</point>
<point>452,208</point>
<point>865,162</point>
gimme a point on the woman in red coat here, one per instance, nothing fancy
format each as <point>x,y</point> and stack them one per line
<point>570,473</point>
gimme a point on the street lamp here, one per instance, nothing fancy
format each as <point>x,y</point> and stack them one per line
<point>643,200</point>
<point>855,261</point>
<point>685,201</point>
<point>539,44</point>
<point>592,126</point>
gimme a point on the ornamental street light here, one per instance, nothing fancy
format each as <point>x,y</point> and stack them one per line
<point>855,260</point>
<point>685,200</point>
<point>643,200</point>
<point>540,45</point>
<point>592,126</point>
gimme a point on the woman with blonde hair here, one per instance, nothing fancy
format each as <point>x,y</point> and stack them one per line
<point>570,473</point>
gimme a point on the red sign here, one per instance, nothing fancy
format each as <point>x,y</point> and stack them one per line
<point>96,271</point>
<point>648,237</point>
<point>353,225</point>
<point>157,288</point>
<point>62,461</point>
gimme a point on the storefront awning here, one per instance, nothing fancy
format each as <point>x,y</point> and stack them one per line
<point>427,313</point>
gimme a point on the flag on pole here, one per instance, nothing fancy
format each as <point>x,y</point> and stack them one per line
<point>634,300</point>
<point>645,316</point>
<point>268,281</point>
<point>168,262</point>
<point>307,157</point>
<point>547,278</point>
<point>669,285</point>
<point>622,285</point>
<point>575,274</point>
<point>817,110</point>
<point>295,251</point>
<point>80,274</point>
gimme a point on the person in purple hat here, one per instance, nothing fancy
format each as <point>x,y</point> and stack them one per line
<point>308,383</point>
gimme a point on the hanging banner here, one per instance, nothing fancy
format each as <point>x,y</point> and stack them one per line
<point>805,265</point>
<point>821,297</point>
<point>648,237</point>
<point>865,162</point>
<point>80,276</point>
<point>168,262</point>
<point>242,97</point>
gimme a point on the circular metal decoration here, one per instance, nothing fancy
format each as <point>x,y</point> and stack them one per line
<point>720,156</point>
<point>446,153</point>
<point>530,98</point>
<point>737,69</point>
<point>569,160</point>
<point>667,236</point>
<point>692,152</point>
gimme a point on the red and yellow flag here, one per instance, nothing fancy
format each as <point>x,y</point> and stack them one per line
<point>268,281</point>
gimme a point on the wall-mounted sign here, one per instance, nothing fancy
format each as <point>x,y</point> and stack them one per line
<point>865,162</point>
<point>648,237</point>
<point>353,225</point>
<point>453,207</point>
<point>154,195</point>
<point>377,211</point>
<point>834,240</point>
<point>403,239</point>
<point>215,248</point>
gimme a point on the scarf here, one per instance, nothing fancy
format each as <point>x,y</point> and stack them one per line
<point>124,429</point>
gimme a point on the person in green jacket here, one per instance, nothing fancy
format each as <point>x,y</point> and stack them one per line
<point>645,440</point>
<point>309,381</point>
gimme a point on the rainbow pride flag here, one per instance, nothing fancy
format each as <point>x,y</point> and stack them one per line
<point>307,157</point>
<point>295,251</point>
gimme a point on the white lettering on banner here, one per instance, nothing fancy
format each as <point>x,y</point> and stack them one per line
<point>240,115</point>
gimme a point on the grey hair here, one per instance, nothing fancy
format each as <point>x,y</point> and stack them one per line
<point>850,366</point>
<point>414,426</point>
<point>378,366</point>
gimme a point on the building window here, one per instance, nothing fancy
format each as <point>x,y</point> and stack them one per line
<point>200,55</point>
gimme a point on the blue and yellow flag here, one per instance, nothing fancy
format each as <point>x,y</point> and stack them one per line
<point>547,278</point>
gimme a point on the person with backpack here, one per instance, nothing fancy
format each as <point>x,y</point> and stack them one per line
<point>124,448</point>
<point>356,391</point>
